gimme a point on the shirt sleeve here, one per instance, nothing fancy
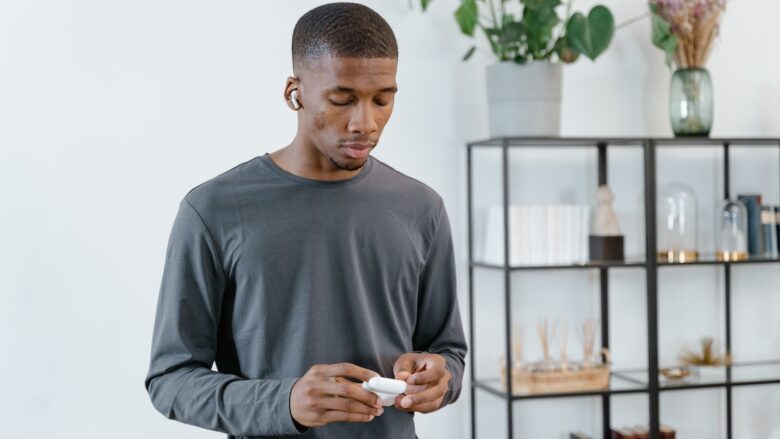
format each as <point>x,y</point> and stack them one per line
<point>439,329</point>
<point>180,381</point>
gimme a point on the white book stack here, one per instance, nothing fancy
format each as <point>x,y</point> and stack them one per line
<point>539,235</point>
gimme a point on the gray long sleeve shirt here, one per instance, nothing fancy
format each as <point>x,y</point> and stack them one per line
<point>268,273</point>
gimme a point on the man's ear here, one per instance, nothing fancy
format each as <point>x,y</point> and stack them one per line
<point>292,93</point>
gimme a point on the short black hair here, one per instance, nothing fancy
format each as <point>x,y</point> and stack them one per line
<point>344,30</point>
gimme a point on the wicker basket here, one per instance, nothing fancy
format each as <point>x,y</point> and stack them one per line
<point>534,378</point>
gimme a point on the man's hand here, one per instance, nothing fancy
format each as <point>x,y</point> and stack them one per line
<point>323,395</point>
<point>427,381</point>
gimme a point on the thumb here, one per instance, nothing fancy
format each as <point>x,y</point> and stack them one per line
<point>403,367</point>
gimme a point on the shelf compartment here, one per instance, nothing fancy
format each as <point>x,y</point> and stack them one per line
<point>590,142</point>
<point>621,141</point>
<point>591,264</point>
<point>710,259</point>
<point>635,262</point>
<point>742,374</point>
<point>618,385</point>
<point>715,142</point>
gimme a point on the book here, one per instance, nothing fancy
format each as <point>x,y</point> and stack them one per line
<point>777,227</point>
<point>638,432</point>
<point>538,235</point>
<point>625,433</point>
<point>768,231</point>
<point>753,205</point>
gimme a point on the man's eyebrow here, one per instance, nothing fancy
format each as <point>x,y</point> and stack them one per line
<point>341,89</point>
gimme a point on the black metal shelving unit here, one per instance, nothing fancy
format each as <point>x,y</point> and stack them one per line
<point>644,381</point>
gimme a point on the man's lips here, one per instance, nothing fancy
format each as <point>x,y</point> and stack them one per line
<point>357,150</point>
<point>358,145</point>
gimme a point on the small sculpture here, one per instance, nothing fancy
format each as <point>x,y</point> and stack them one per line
<point>606,223</point>
<point>605,242</point>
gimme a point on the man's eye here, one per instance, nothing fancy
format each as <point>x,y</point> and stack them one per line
<point>382,103</point>
<point>340,104</point>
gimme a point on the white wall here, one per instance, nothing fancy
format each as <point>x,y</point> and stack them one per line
<point>111,111</point>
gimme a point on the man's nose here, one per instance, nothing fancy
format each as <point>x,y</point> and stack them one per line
<point>363,119</point>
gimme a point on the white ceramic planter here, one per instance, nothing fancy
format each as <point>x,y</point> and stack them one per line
<point>524,100</point>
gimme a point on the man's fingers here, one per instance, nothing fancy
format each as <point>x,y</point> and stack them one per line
<point>339,416</point>
<point>430,375</point>
<point>427,407</point>
<point>350,405</point>
<point>415,388</point>
<point>349,370</point>
<point>426,396</point>
<point>404,364</point>
<point>352,391</point>
<point>403,375</point>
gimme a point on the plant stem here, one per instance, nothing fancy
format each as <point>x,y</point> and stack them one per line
<point>632,21</point>
<point>496,26</point>
<point>493,13</point>
<point>561,30</point>
<point>568,9</point>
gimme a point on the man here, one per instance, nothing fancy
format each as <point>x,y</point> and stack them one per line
<point>304,272</point>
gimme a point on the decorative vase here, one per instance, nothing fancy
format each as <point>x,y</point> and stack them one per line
<point>690,102</point>
<point>524,100</point>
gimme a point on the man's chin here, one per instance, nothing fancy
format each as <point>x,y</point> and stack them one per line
<point>349,165</point>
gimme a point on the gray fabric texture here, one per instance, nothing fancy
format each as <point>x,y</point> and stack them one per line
<point>268,273</point>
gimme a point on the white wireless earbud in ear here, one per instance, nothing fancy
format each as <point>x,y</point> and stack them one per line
<point>294,99</point>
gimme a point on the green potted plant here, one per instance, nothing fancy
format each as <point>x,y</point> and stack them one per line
<point>530,40</point>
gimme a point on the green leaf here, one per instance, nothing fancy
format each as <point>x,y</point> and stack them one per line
<point>663,38</point>
<point>539,24</point>
<point>543,19</point>
<point>466,16</point>
<point>511,33</point>
<point>520,59</point>
<point>506,19</point>
<point>469,53</point>
<point>591,35</point>
<point>492,35</point>
<point>425,3</point>
<point>539,4</point>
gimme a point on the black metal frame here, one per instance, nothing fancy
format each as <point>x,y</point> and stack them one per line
<point>652,386</point>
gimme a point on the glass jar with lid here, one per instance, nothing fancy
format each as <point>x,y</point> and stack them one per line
<point>732,244</point>
<point>678,224</point>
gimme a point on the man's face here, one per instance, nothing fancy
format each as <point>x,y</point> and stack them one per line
<point>346,104</point>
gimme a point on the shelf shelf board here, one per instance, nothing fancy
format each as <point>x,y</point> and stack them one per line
<point>635,381</point>
<point>712,260</point>
<point>621,141</point>
<point>618,385</point>
<point>706,141</point>
<point>590,264</point>
<point>704,260</point>
<point>590,142</point>
<point>742,374</point>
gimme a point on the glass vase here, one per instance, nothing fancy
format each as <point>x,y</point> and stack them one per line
<point>690,102</point>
